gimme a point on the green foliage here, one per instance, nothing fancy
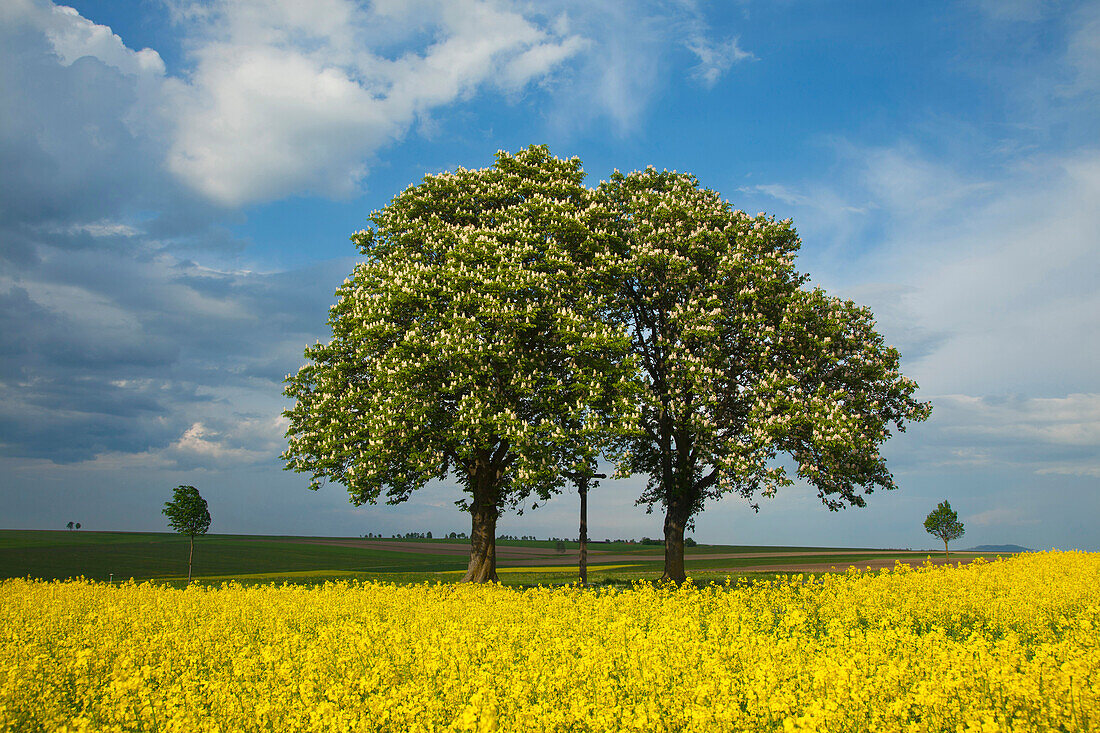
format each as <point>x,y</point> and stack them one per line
<point>943,522</point>
<point>97,555</point>
<point>472,338</point>
<point>509,325</point>
<point>188,512</point>
<point>741,362</point>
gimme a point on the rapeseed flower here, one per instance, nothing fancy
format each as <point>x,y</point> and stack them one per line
<point>1010,645</point>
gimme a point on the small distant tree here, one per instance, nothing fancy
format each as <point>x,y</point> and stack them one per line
<point>78,525</point>
<point>943,522</point>
<point>188,514</point>
<point>69,525</point>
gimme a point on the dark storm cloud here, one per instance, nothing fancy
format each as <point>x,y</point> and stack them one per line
<point>68,155</point>
<point>38,341</point>
<point>69,392</point>
<point>83,144</point>
<point>70,438</point>
<point>126,349</point>
<point>114,338</point>
<point>17,311</point>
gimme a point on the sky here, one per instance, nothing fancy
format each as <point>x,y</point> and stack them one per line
<point>180,181</point>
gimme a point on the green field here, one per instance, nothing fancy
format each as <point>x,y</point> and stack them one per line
<point>256,558</point>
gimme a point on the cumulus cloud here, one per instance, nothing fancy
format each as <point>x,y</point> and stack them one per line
<point>73,37</point>
<point>115,338</point>
<point>286,98</point>
<point>281,98</point>
<point>244,441</point>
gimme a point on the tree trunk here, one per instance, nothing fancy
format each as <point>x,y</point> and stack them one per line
<point>483,528</point>
<point>674,544</point>
<point>582,489</point>
<point>190,555</point>
<point>945,553</point>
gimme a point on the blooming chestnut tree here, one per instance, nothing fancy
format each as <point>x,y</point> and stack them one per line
<point>740,361</point>
<point>474,340</point>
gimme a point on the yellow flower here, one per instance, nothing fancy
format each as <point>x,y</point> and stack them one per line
<point>1008,645</point>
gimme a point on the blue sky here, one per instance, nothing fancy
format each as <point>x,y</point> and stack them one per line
<point>180,181</point>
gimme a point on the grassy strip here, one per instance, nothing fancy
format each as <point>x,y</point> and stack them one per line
<point>272,558</point>
<point>214,556</point>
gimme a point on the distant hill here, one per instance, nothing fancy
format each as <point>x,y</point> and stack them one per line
<point>1000,548</point>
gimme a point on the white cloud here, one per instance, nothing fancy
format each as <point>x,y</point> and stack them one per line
<point>73,36</point>
<point>1073,420</point>
<point>984,275</point>
<point>986,282</point>
<point>968,457</point>
<point>283,98</point>
<point>288,97</point>
<point>629,47</point>
<point>1011,278</point>
<point>621,70</point>
<point>247,441</point>
<point>537,61</point>
<point>715,58</point>
<point>823,205</point>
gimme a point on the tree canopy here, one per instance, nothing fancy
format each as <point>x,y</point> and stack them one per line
<point>943,522</point>
<point>508,324</point>
<point>189,514</point>
<point>742,362</point>
<point>474,338</point>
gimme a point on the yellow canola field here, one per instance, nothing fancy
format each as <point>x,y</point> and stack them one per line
<point>1007,645</point>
